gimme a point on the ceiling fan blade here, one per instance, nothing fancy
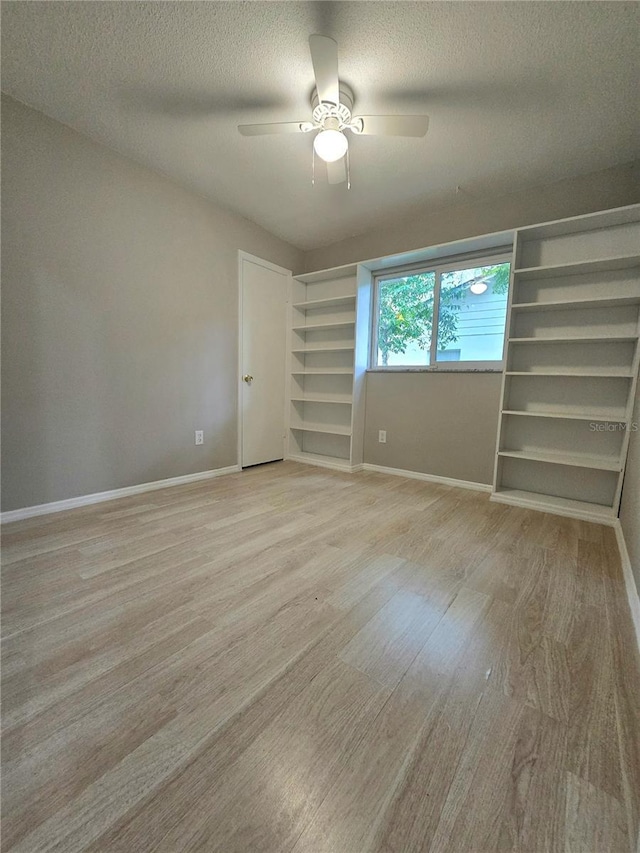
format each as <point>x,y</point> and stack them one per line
<point>337,171</point>
<point>177,102</point>
<point>276,127</point>
<point>324,58</point>
<point>392,125</point>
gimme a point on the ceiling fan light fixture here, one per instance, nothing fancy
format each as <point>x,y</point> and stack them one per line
<point>330,145</point>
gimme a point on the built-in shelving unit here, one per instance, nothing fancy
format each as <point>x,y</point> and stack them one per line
<point>571,365</point>
<point>329,334</point>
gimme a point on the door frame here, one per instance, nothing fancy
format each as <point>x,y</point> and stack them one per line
<point>246,256</point>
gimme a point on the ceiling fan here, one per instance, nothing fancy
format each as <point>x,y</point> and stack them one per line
<point>332,105</point>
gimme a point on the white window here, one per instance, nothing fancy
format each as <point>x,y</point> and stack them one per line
<point>451,314</point>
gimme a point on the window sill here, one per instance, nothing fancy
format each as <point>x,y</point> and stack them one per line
<point>435,369</point>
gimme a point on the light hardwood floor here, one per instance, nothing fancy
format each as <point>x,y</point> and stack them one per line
<point>294,659</point>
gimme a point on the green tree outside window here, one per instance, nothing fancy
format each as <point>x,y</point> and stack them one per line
<point>406,307</point>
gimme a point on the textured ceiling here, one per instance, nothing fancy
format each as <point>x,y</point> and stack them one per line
<point>518,94</point>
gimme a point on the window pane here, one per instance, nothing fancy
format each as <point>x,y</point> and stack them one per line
<point>405,317</point>
<point>473,313</point>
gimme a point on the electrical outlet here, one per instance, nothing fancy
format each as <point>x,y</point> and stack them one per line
<point>382,436</point>
<point>199,436</point>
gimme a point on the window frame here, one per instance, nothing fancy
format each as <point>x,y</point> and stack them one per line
<point>500,255</point>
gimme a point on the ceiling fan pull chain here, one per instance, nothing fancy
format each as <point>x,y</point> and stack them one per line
<point>348,170</point>
<point>313,166</point>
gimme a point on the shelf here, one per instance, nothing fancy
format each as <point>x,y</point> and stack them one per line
<point>334,302</point>
<point>324,349</point>
<point>619,262</point>
<point>567,416</point>
<point>599,302</point>
<point>621,374</point>
<point>577,340</point>
<point>321,399</point>
<point>550,503</point>
<point>332,274</point>
<point>583,223</point>
<point>320,371</point>
<point>326,428</point>
<point>321,460</point>
<point>600,463</point>
<point>316,327</point>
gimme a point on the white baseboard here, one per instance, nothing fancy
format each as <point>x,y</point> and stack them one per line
<point>396,472</point>
<point>99,497</point>
<point>428,478</point>
<point>629,580</point>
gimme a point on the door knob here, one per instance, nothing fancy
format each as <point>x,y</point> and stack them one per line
<point>248,378</point>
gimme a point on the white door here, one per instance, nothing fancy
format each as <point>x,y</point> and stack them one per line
<point>263,313</point>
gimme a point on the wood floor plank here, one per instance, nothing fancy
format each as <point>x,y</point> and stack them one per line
<point>351,812</point>
<point>199,704</point>
<point>533,812</point>
<point>368,571</point>
<point>35,689</point>
<point>594,753</point>
<point>98,609</point>
<point>411,817</point>
<point>79,595</point>
<point>269,794</point>
<point>39,729</point>
<point>498,574</point>
<point>296,659</point>
<point>472,812</point>
<point>436,579</point>
<point>625,662</point>
<point>595,821</point>
<point>161,814</point>
<point>385,648</point>
<point>534,668</point>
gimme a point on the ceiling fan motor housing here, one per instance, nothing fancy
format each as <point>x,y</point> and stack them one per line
<point>324,110</point>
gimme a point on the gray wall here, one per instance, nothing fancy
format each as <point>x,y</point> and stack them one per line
<point>630,506</point>
<point>119,317</point>
<point>425,226</point>
<point>436,423</point>
<point>446,424</point>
